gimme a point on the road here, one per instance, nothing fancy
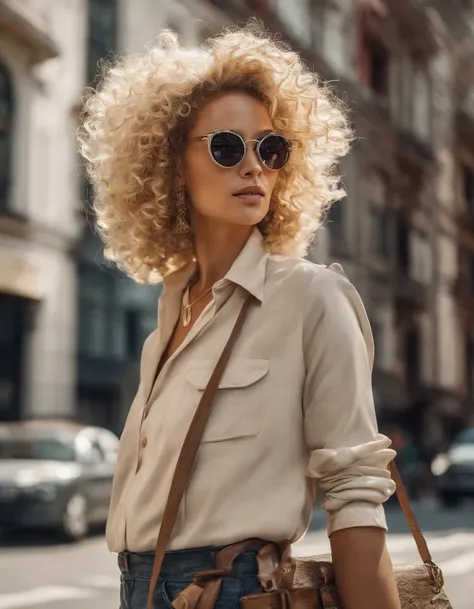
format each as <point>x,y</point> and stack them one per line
<point>41,574</point>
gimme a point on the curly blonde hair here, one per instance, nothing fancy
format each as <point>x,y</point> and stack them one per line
<point>134,129</point>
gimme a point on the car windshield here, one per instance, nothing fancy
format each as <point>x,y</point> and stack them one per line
<point>465,437</point>
<point>47,448</point>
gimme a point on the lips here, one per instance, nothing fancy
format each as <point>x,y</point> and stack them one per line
<point>250,191</point>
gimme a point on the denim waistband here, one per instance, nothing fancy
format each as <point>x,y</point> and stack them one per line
<point>183,564</point>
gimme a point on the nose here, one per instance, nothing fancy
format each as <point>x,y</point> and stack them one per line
<point>251,165</point>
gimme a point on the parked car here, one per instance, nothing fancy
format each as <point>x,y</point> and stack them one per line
<point>55,475</point>
<point>454,470</point>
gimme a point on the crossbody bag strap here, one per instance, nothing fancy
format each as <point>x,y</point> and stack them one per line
<point>410,517</point>
<point>189,451</point>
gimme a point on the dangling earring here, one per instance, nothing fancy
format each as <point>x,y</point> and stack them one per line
<point>182,225</point>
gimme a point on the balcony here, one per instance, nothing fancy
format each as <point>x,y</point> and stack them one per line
<point>464,291</point>
<point>465,222</point>
<point>390,392</point>
<point>243,8</point>
<point>465,120</point>
<point>415,24</point>
<point>409,290</point>
<point>26,21</point>
<point>414,150</point>
<point>454,16</point>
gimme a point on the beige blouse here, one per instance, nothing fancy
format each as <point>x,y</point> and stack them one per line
<point>294,412</point>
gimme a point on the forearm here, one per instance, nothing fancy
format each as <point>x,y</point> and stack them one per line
<point>363,569</point>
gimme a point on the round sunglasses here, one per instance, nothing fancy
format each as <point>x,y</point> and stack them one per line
<point>228,149</point>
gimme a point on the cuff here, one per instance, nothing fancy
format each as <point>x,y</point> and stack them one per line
<point>357,514</point>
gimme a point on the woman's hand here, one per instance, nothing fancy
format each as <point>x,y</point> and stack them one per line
<point>363,569</point>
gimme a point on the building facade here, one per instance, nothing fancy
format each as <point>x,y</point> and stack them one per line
<point>40,84</point>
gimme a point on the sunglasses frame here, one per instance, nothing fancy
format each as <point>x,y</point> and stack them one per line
<point>209,137</point>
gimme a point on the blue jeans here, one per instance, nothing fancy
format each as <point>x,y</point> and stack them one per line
<point>177,572</point>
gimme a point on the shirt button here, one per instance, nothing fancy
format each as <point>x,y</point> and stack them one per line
<point>144,442</point>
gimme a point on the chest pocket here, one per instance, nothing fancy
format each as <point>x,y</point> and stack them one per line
<point>239,406</point>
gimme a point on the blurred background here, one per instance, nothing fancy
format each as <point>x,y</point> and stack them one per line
<point>72,327</point>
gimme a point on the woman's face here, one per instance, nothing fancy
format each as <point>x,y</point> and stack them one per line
<point>212,189</point>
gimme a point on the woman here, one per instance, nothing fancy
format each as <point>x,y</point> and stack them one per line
<point>212,168</point>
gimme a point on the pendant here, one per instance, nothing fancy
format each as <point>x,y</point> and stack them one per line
<point>187,315</point>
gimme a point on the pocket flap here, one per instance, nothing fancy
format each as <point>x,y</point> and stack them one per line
<point>238,373</point>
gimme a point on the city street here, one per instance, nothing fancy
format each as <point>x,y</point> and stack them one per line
<point>42,575</point>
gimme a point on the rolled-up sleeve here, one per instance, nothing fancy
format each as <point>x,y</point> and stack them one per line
<point>348,457</point>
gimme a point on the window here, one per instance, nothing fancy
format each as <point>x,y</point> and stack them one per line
<point>111,328</point>
<point>6,119</point>
<point>101,42</point>
<point>318,13</point>
<point>132,332</point>
<point>405,86</point>
<point>412,358</point>
<point>335,36</point>
<point>374,59</point>
<point>421,258</point>
<point>380,226</point>
<point>403,243</point>
<point>379,64</point>
<point>257,5</point>
<point>335,222</point>
<point>295,15</point>
<point>465,437</point>
<point>46,448</point>
<point>468,190</point>
<point>378,336</point>
<point>421,98</point>
<point>380,214</point>
<point>99,326</point>
<point>470,367</point>
<point>470,267</point>
<point>102,33</point>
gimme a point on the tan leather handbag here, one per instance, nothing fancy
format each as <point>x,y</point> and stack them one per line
<point>287,583</point>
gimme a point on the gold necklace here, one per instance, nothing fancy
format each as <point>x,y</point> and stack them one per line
<point>187,306</point>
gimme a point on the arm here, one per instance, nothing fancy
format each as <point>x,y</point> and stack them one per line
<point>363,569</point>
<point>348,457</point>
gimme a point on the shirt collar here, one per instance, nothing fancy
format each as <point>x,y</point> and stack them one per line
<point>247,271</point>
<point>249,267</point>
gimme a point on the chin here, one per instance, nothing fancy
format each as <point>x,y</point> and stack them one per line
<point>248,216</point>
<point>247,219</point>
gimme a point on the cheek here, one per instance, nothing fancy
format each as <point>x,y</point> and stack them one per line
<point>205,186</point>
<point>272,178</point>
<point>204,179</point>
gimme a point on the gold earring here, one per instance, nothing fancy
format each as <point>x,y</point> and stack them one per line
<point>182,225</point>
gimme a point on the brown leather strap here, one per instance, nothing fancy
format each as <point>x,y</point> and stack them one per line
<point>189,451</point>
<point>410,516</point>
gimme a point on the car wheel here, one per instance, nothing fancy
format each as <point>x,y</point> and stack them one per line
<point>75,524</point>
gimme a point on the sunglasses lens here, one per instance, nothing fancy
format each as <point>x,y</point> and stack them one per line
<point>227,149</point>
<point>275,151</point>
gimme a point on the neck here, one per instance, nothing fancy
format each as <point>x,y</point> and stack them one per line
<point>216,247</point>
